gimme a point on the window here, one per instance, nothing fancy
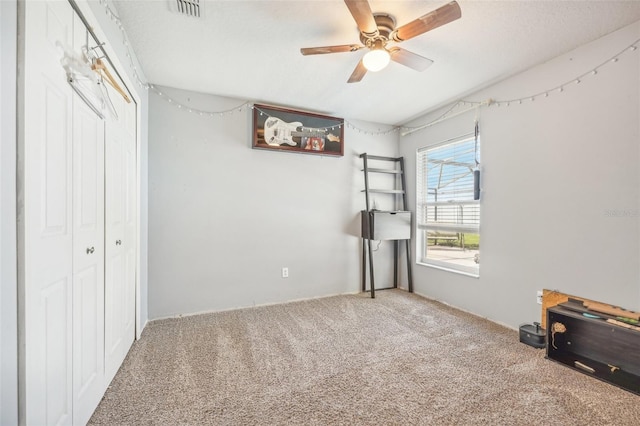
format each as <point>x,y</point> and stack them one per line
<point>448,217</point>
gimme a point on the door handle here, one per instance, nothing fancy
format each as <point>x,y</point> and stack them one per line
<point>118,242</point>
<point>90,250</point>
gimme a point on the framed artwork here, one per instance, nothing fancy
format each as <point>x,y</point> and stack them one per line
<point>284,129</point>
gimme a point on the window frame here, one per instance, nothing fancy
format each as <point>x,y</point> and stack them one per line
<point>422,203</point>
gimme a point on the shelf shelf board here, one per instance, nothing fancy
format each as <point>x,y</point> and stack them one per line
<point>378,157</point>
<point>385,191</point>
<point>370,170</point>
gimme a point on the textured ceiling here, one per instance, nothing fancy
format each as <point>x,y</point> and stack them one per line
<point>251,49</point>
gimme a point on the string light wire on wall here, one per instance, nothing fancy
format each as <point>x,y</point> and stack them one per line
<point>471,105</point>
<point>239,108</point>
<point>405,130</point>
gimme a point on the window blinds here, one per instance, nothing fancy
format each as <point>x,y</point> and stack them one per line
<point>445,187</point>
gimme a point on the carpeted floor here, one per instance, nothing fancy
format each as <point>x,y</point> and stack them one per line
<point>349,360</point>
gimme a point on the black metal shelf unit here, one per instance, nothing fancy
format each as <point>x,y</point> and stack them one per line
<point>385,225</point>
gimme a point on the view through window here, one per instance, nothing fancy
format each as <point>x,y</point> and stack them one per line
<point>448,217</point>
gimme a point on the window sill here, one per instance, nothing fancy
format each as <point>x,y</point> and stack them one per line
<point>449,269</point>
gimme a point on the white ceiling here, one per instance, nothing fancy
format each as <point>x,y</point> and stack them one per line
<point>251,49</point>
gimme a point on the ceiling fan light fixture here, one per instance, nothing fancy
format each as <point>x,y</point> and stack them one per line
<point>376,59</point>
<point>378,29</point>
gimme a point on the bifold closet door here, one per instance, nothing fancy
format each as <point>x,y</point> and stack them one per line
<point>77,236</point>
<point>88,262</point>
<point>120,246</point>
<point>62,232</point>
<point>130,221</point>
<point>88,252</point>
<point>45,219</point>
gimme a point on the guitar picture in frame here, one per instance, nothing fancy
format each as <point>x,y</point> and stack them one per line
<point>282,129</point>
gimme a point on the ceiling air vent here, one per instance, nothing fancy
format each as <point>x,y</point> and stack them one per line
<point>190,7</point>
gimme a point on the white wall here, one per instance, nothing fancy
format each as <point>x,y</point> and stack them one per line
<point>553,170</point>
<point>8,259</point>
<point>225,218</point>
<point>107,29</point>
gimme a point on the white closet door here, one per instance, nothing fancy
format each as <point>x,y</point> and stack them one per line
<point>88,253</point>
<point>130,210</point>
<point>120,247</point>
<point>46,228</point>
<point>88,262</point>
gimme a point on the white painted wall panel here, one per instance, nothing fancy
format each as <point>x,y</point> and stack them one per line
<point>225,218</point>
<point>553,171</point>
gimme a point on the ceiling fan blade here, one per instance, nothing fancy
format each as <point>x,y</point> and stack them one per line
<point>442,15</point>
<point>358,73</point>
<point>361,12</point>
<point>330,49</point>
<point>410,59</point>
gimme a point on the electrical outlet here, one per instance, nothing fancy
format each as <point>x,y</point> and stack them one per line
<point>539,297</point>
<point>285,272</point>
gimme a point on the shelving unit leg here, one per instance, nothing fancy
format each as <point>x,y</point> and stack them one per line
<point>373,287</point>
<point>409,276</point>
<point>395,264</point>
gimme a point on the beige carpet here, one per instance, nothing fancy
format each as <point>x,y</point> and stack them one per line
<point>349,360</point>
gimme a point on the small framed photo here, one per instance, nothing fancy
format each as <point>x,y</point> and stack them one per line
<point>282,129</point>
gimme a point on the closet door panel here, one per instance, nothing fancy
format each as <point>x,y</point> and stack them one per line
<point>129,241</point>
<point>87,357</point>
<point>54,164</point>
<point>56,345</point>
<point>45,216</point>
<point>114,303</point>
<point>114,273</point>
<point>116,282</point>
<point>88,260</point>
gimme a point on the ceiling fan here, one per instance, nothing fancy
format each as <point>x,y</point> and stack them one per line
<point>377,30</point>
